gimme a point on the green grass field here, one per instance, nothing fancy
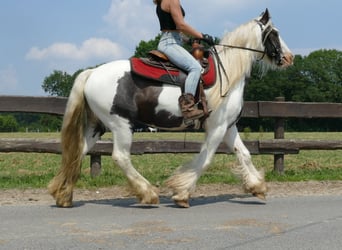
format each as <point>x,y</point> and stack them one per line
<point>35,170</point>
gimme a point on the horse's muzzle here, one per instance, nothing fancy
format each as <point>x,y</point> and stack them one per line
<point>286,60</point>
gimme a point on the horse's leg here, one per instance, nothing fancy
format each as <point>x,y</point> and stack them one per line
<point>73,143</point>
<point>183,182</point>
<point>253,180</point>
<point>122,141</point>
<point>61,187</point>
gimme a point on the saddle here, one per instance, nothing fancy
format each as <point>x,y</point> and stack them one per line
<point>157,67</point>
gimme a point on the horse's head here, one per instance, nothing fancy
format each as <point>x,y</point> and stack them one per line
<point>276,51</point>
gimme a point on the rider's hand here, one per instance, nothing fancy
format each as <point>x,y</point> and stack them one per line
<point>208,39</point>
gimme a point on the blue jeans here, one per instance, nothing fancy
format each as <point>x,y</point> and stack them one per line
<point>171,45</point>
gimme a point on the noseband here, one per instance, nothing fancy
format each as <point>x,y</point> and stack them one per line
<point>270,40</point>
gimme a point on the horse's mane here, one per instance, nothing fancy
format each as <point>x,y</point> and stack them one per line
<point>242,34</point>
<point>237,62</point>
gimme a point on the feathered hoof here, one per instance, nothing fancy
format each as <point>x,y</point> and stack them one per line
<point>261,196</point>
<point>182,199</point>
<point>150,197</point>
<point>64,204</point>
<point>149,200</point>
<point>182,203</point>
<point>63,194</point>
<point>63,199</point>
<point>258,191</point>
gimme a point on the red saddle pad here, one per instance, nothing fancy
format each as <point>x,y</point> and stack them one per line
<point>139,67</point>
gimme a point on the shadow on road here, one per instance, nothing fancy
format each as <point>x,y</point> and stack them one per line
<point>167,201</point>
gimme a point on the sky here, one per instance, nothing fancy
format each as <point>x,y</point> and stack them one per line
<point>40,36</point>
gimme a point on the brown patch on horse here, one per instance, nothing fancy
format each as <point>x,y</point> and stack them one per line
<point>137,99</point>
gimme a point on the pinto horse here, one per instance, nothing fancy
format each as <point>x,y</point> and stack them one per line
<point>111,97</point>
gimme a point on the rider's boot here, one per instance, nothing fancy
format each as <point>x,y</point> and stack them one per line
<point>188,107</point>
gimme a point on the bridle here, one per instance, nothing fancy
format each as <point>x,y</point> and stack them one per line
<point>272,50</point>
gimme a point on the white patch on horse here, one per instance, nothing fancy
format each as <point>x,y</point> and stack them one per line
<point>168,100</point>
<point>103,82</point>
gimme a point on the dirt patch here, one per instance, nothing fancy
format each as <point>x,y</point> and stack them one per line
<point>276,189</point>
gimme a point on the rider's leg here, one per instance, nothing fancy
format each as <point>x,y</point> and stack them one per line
<point>170,44</point>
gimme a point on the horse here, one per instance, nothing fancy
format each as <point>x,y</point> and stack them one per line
<point>110,97</point>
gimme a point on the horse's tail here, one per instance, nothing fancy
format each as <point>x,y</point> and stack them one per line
<point>72,143</point>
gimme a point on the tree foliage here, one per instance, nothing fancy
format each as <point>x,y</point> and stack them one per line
<point>8,123</point>
<point>144,47</point>
<point>14,122</point>
<point>59,83</point>
<point>313,78</point>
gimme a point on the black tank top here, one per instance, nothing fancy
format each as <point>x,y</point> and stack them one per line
<point>165,19</point>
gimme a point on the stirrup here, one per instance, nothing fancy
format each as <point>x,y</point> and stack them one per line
<point>195,124</point>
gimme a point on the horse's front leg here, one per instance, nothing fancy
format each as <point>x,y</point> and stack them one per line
<point>145,192</point>
<point>253,180</point>
<point>183,182</point>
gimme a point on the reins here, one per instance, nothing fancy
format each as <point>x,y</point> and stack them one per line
<point>221,67</point>
<point>239,47</point>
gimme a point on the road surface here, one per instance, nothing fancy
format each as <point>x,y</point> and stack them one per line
<point>216,222</point>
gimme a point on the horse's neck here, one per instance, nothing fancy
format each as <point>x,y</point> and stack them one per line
<point>237,63</point>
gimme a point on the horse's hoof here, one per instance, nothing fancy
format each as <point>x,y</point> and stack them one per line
<point>182,203</point>
<point>65,204</point>
<point>153,199</point>
<point>261,196</point>
<point>182,199</point>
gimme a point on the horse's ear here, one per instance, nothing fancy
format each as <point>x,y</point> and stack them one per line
<point>265,17</point>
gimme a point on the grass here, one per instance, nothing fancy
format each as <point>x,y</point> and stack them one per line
<point>35,170</point>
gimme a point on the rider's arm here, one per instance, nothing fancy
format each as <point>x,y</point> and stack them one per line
<point>177,15</point>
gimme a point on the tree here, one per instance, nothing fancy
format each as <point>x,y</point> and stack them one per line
<point>144,47</point>
<point>313,78</point>
<point>8,123</point>
<point>59,83</point>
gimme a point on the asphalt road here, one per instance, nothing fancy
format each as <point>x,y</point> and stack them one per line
<point>223,222</point>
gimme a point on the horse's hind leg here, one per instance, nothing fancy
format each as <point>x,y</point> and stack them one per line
<point>253,180</point>
<point>122,138</point>
<point>61,186</point>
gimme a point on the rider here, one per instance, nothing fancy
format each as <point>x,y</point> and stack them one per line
<point>171,18</point>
